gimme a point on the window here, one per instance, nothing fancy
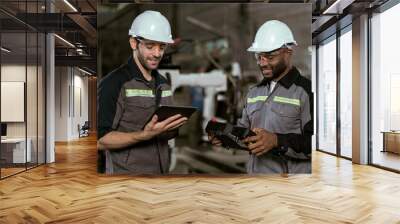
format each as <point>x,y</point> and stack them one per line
<point>346,93</point>
<point>327,96</point>
<point>385,89</point>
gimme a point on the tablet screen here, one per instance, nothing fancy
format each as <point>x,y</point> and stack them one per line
<point>163,112</point>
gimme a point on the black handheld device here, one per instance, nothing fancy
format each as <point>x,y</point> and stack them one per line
<point>229,135</point>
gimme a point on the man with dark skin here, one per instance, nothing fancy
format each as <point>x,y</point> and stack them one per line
<point>279,109</point>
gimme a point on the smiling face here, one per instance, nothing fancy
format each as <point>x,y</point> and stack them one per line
<point>273,64</point>
<point>149,53</point>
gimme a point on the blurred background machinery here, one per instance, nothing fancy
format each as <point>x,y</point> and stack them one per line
<point>207,66</point>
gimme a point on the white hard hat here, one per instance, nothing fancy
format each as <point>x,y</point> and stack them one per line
<point>272,35</point>
<point>151,25</point>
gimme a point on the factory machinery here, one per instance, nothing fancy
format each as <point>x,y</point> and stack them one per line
<point>205,158</point>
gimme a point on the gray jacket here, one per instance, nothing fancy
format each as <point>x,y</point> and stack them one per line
<point>126,101</point>
<point>287,112</point>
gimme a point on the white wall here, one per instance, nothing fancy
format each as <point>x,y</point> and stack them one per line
<point>33,126</point>
<point>61,103</point>
<point>17,73</point>
<point>14,73</point>
<point>71,93</point>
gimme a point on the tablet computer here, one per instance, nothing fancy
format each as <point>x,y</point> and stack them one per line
<point>165,111</point>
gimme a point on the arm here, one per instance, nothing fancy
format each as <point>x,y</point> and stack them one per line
<point>108,90</point>
<point>109,104</point>
<point>116,140</point>
<point>299,145</point>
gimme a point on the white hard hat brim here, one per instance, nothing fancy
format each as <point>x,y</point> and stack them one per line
<point>254,49</point>
<point>257,49</point>
<point>167,41</point>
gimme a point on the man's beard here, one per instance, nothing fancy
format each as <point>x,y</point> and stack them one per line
<point>277,70</point>
<point>143,61</point>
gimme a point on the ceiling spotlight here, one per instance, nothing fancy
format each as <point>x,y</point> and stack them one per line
<point>65,41</point>
<point>5,50</point>
<point>84,71</point>
<point>337,7</point>
<point>70,5</point>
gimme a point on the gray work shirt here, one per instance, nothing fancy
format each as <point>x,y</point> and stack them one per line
<point>126,102</point>
<point>287,112</point>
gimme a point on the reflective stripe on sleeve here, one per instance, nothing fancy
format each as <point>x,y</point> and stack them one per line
<point>166,93</point>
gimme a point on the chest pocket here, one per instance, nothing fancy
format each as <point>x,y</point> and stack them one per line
<point>254,113</point>
<point>254,107</point>
<point>139,106</point>
<point>287,112</point>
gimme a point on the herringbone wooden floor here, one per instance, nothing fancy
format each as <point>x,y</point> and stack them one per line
<point>70,191</point>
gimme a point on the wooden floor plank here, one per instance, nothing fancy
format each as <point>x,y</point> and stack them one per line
<point>70,191</point>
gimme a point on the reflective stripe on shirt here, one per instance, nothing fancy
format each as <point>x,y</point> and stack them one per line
<point>145,93</point>
<point>256,99</point>
<point>139,92</point>
<point>285,100</point>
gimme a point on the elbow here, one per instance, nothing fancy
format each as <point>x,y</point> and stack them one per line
<point>100,146</point>
<point>102,143</point>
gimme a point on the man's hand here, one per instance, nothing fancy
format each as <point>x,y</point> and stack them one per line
<point>154,128</point>
<point>262,142</point>
<point>214,140</point>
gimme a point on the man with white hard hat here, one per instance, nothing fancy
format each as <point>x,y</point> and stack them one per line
<point>129,95</point>
<point>278,109</point>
